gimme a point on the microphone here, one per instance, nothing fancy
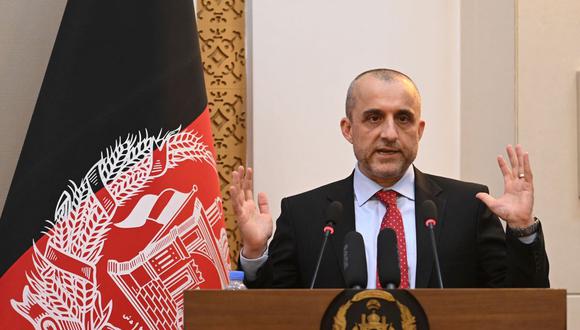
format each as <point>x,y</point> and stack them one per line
<point>430,212</point>
<point>333,215</point>
<point>388,268</point>
<point>354,266</point>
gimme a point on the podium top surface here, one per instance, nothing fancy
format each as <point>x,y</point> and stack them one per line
<point>446,309</point>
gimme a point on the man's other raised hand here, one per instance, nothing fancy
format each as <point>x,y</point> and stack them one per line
<point>254,221</point>
<point>515,206</point>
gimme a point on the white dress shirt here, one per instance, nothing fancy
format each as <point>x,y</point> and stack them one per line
<point>369,213</point>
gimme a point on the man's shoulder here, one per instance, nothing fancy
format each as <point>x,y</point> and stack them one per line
<point>343,186</point>
<point>446,183</point>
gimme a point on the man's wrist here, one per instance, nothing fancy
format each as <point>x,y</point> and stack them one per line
<point>252,253</point>
<point>527,230</point>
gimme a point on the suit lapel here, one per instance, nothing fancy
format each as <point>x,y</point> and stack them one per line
<point>426,189</point>
<point>343,193</point>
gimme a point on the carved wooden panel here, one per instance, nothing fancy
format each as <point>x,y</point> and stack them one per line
<point>221,25</point>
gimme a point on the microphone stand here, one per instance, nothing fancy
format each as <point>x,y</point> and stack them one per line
<point>430,223</point>
<point>328,230</point>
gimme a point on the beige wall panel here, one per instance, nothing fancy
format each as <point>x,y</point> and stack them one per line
<point>573,315</point>
<point>487,88</point>
<point>549,56</point>
<point>27,32</point>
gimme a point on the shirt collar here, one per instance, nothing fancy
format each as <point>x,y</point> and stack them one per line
<point>365,188</point>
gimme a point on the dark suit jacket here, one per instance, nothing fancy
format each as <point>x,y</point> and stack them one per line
<point>473,249</point>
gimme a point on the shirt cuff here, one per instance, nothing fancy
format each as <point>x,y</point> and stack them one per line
<point>528,239</point>
<point>251,266</point>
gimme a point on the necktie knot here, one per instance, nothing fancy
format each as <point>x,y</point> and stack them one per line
<point>388,197</point>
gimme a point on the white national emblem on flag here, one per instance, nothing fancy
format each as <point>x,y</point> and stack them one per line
<point>63,290</point>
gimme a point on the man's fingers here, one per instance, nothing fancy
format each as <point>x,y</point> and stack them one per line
<point>505,170</point>
<point>527,168</point>
<point>247,185</point>
<point>235,177</point>
<point>236,199</point>
<point>520,158</point>
<point>263,205</point>
<point>237,196</point>
<point>513,159</point>
<point>486,199</point>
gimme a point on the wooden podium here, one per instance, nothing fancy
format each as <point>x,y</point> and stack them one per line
<point>446,309</point>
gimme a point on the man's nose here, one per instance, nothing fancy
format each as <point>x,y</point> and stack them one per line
<point>389,130</point>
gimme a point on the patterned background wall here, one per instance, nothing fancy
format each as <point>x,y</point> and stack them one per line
<point>221,25</point>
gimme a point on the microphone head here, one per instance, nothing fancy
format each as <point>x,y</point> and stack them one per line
<point>354,264</point>
<point>430,212</point>
<point>388,268</point>
<point>334,213</point>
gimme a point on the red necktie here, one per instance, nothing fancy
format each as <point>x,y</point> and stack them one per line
<point>394,220</point>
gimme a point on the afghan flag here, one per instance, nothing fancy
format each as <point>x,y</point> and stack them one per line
<point>115,209</point>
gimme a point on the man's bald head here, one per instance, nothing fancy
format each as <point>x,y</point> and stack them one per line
<point>386,75</point>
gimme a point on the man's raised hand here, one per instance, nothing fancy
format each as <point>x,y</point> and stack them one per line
<point>254,221</point>
<point>515,206</point>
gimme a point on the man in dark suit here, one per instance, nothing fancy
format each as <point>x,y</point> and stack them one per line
<point>383,123</point>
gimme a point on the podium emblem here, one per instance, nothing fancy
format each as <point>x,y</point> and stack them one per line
<point>374,309</point>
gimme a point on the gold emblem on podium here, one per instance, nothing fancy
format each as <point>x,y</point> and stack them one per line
<point>374,316</point>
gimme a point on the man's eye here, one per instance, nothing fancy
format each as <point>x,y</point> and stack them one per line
<point>373,118</point>
<point>404,119</point>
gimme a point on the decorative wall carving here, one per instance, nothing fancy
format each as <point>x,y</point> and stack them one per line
<point>221,25</point>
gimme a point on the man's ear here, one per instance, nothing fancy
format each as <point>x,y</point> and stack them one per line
<point>346,128</point>
<point>421,128</point>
